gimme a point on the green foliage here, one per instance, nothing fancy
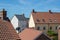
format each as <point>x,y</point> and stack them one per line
<point>55,38</point>
<point>51,33</point>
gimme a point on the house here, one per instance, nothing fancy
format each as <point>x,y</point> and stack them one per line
<point>32,34</point>
<point>7,32</point>
<point>59,32</point>
<point>44,20</point>
<point>19,22</point>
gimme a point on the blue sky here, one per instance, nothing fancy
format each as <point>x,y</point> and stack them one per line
<point>26,6</point>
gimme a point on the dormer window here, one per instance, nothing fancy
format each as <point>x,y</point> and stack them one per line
<point>50,20</point>
<point>43,20</point>
<point>38,20</point>
<point>0,17</point>
<point>55,20</point>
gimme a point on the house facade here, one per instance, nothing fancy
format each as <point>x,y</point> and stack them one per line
<point>19,22</point>
<point>44,20</point>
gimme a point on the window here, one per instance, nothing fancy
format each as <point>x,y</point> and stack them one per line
<point>56,28</point>
<point>55,20</point>
<point>59,27</point>
<point>18,39</point>
<point>50,28</point>
<point>44,28</point>
<point>43,20</point>
<point>0,17</point>
<point>38,28</point>
<point>18,28</point>
<point>50,20</point>
<point>38,20</point>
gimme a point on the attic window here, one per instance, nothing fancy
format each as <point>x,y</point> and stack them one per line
<point>43,20</point>
<point>50,20</point>
<point>0,17</point>
<point>18,39</point>
<point>55,20</point>
<point>38,20</point>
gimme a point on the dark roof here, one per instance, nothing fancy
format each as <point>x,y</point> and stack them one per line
<point>20,17</point>
<point>7,32</point>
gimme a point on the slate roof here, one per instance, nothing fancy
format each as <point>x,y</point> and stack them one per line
<point>20,17</point>
<point>46,17</point>
<point>7,32</point>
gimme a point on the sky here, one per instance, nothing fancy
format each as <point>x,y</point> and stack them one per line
<point>26,6</point>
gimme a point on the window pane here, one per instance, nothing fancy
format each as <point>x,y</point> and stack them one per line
<point>38,20</point>
<point>50,28</point>
<point>38,28</point>
<point>43,20</point>
<point>44,28</point>
<point>56,28</point>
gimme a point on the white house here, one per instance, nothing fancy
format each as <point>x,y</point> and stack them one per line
<point>19,22</point>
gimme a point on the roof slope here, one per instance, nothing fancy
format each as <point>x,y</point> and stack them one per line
<point>7,31</point>
<point>29,34</point>
<point>46,17</point>
<point>20,17</point>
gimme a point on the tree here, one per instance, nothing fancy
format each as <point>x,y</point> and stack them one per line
<point>52,35</point>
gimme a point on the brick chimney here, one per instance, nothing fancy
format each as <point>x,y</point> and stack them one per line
<point>50,11</point>
<point>3,14</point>
<point>33,11</point>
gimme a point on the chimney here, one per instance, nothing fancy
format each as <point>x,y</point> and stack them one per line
<point>4,13</point>
<point>23,14</point>
<point>50,11</point>
<point>33,11</point>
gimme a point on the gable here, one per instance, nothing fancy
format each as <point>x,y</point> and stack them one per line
<point>42,37</point>
<point>31,21</point>
<point>14,22</point>
<point>29,34</point>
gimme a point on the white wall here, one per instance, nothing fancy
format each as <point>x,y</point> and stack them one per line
<point>14,22</point>
<point>31,22</point>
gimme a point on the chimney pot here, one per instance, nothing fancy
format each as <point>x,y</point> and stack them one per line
<point>50,11</point>
<point>33,11</point>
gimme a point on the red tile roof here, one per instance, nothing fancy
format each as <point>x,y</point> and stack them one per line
<point>29,34</point>
<point>7,32</point>
<point>46,17</point>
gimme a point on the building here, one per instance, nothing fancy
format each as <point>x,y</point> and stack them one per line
<point>44,20</point>
<point>7,32</point>
<point>32,34</point>
<point>59,32</point>
<point>3,15</point>
<point>19,22</point>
